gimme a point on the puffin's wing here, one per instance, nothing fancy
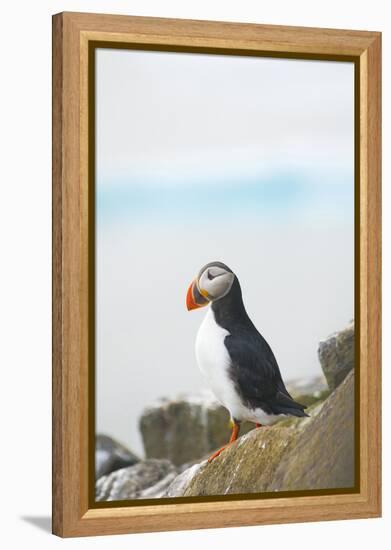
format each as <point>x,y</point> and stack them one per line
<point>257,378</point>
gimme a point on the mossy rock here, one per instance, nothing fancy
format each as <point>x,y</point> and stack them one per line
<point>186,429</point>
<point>318,453</point>
<point>246,466</point>
<point>322,456</point>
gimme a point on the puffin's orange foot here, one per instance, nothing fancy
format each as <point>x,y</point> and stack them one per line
<point>234,436</point>
<point>217,453</point>
<point>257,425</point>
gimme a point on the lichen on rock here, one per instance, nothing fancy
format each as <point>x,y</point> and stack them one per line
<point>246,466</point>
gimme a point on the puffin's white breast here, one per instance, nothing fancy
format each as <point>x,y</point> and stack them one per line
<point>213,360</point>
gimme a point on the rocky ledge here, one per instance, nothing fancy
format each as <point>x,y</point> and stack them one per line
<point>294,454</point>
<point>192,426</point>
<point>317,454</point>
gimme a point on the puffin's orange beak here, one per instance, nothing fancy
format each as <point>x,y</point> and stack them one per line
<point>194,299</point>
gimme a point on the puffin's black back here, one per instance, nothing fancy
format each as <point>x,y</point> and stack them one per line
<point>254,369</point>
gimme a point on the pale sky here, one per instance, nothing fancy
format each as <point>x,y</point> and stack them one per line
<point>244,160</point>
<point>169,114</point>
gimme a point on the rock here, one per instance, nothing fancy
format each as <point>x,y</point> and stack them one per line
<point>111,455</point>
<point>317,454</point>
<point>322,456</point>
<point>160,488</point>
<point>185,429</point>
<point>146,479</point>
<point>181,482</point>
<point>336,355</point>
<point>243,468</point>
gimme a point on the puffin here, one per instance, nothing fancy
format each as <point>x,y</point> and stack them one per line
<point>233,356</point>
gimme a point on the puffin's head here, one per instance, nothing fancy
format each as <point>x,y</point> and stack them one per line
<point>213,282</point>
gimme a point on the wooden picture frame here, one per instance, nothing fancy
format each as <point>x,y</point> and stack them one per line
<point>73,286</point>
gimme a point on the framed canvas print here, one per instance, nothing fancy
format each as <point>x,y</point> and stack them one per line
<point>216,274</point>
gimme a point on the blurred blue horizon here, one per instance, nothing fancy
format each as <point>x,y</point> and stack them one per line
<point>275,197</point>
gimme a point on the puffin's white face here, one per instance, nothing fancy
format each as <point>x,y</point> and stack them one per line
<point>214,281</point>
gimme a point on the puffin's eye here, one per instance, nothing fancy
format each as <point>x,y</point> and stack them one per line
<point>217,272</point>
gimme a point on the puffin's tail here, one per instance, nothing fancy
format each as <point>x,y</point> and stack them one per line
<point>284,404</point>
